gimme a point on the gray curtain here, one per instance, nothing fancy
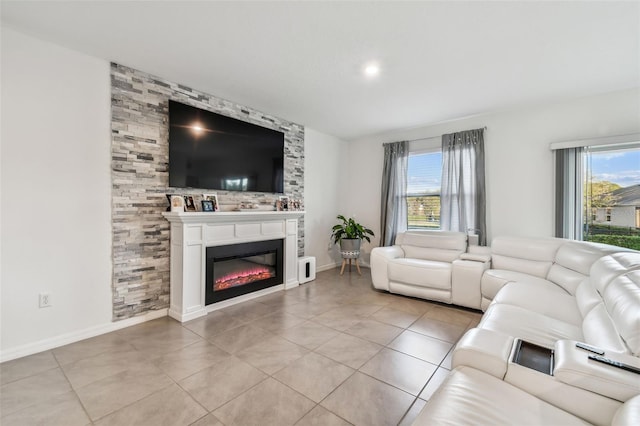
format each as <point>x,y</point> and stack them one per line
<point>393,211</point>
<point>569,177</point>
<point>463,196</point>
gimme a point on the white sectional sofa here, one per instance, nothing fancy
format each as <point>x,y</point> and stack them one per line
<point>541,297</point>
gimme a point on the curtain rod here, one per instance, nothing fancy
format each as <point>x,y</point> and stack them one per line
<point>436,137</point>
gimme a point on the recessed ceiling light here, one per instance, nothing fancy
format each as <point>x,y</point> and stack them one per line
<point>371,70</point>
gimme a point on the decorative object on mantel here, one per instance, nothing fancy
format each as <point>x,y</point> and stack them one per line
<point>189,204</point>
<point>349,234</point>
<point>177,202</point>
<point>282,205</point>
<point>214,199</point>
<point>207,206</point>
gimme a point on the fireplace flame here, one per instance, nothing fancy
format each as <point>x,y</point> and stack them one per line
<point>243,277</point>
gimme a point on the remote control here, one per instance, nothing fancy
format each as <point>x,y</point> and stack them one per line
<point>616,364</point>
<point>589,348</point>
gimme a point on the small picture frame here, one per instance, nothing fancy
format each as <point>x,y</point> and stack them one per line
<point>177,202</point>
<point>189,204</point>
<point>283,203</point>
<point>207,206</point>
<point>214,199</point>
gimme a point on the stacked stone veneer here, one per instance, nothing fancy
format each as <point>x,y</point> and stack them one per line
<point>140,179</point>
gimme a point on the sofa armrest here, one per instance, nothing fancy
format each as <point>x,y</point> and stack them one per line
<point>475,257</point>
<point>574,368</point>
<point>466,276</point>
<point>380,257</point>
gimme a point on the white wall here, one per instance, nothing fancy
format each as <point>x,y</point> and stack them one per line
<point>55,180</point>
<point>519,163</point>
<point>324,193</point>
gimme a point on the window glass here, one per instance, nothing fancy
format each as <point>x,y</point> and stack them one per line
<point>612,196</point>
<point>424,177</point>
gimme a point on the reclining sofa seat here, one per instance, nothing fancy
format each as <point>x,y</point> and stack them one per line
<point>419,264</point>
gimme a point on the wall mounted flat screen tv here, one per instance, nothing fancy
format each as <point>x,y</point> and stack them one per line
<point>212,151</point>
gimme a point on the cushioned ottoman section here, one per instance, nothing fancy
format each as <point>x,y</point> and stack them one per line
<point>418,272</point>
<point>527,325</point>
<point>543,300</point>
<point>469,396</point>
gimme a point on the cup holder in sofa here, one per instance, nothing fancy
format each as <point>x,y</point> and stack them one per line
<point>533,356</point>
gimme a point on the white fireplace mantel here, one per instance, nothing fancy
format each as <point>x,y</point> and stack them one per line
<point>193,232</point>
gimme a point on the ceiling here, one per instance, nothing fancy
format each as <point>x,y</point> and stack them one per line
<point>303,61</point>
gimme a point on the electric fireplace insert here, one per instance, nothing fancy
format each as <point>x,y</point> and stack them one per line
<point>237,269</point>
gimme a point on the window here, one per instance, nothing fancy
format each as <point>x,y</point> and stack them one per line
<point>424,175</point>
<point>611,189</point>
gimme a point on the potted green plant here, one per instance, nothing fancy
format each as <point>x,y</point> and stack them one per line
<point>349,234</point>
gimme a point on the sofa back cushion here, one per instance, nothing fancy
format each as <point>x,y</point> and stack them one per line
<point>622,300</point>
<point>573,262</point>
<point>533,256</point>
<point>439,246</point>
<point>607,268</point>
<point>599,330</point>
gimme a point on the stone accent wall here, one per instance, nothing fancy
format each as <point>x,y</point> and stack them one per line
<point>140,179</point>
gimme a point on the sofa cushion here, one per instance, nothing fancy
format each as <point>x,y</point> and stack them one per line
<point>607,268</point>
<point>470,396</point>
<point>425,273</point>
<point>528,325</point>
<point>543,300</point>
<point>494,279</point>
<point>599,330</point>
<point>528,255</point>
<point>433,245</point>
<point>622,300</point>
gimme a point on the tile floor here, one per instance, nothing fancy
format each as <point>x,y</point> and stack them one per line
<point>330,352</point>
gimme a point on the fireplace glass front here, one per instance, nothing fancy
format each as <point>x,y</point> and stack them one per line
<point>238,269</point>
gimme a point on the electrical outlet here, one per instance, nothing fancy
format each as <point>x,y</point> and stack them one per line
<point>45,300</point>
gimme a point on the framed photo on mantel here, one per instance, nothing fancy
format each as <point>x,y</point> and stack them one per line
<point>214,199</point>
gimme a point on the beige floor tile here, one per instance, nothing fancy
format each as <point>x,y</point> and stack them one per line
<point>451,315</point>
<point>168,407</point>
<point>413,412</point>
<point>309,309</point>
<point>89,370</point>
<point>446,362</point>
<point>189,360</point>
<point>148,328</point>
<point>248,311</point>
<point>269,403</point>
<point>61,410</point>
<point>222,382</point>
<point>10,371</point>
<point>400,370</point>
<point>434,382</point>
<point>440,330</point>
<point>345,316</point>
<point>314,376</point>
<point>412,306</point>
<point>362,400</point>
<point>395,317</point>
<point>309,334</point>
<point>320,416</point>
<point>115,392</point>
<point>32,390</point>
<point>272,354</point>
<point>349,350</point>
<point>208,420</point>
<point>278,321</point>
<point>240,338</point>
<point>212,324</point>
<point>90,347</point>
<point>374,331</point>
<point>420,346</point>
<point>163,342</point>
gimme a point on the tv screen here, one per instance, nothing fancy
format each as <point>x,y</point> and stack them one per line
<point>212,151</point>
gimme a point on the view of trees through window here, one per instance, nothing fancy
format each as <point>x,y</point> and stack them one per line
<point>612,196</point>
<point>423,190</point>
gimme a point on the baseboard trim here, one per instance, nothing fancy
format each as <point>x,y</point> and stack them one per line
<point>327,267</point>
<point>76,336</point>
